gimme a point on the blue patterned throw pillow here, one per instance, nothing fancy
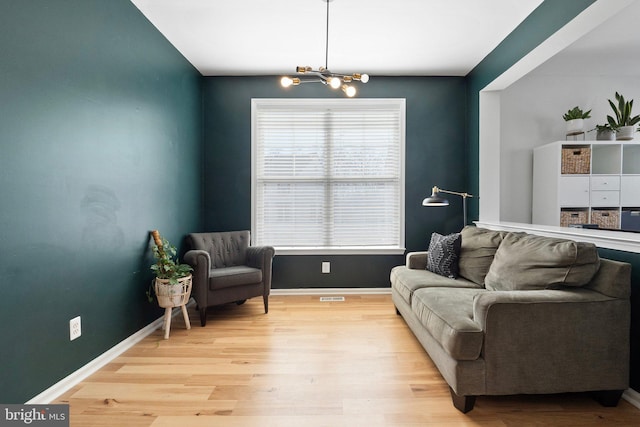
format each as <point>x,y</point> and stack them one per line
<point>443,254</point>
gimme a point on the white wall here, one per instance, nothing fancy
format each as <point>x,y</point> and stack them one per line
<point>585,74</point>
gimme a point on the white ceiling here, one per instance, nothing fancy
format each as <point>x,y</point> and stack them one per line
<point>609,49</point>
<point>378,37</point>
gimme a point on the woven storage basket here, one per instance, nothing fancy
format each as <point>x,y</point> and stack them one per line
<point>173,295</point>
<point>576,160</point>
<point>573,216</point>
<point>606,218</point>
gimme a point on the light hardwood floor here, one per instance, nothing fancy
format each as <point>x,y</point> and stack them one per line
<point>307,363</point>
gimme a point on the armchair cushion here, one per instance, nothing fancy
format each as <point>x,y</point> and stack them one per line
<point>225,249</point>
<point>239,275</point>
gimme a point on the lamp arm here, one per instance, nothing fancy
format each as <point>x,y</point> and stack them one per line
<point>440,190</point>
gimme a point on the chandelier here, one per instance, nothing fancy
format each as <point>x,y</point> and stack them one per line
<point>323,75</point>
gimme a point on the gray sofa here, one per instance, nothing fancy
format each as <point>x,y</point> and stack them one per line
<point>526,315</point>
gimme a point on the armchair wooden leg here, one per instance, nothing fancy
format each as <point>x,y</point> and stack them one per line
<point>462,403</point>
<point>266,303</point>
<point>203,316</point>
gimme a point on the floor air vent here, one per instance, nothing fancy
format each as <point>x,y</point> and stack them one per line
<point>331,299</point>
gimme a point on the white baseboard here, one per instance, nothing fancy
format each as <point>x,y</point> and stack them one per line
<point>632,396</point>
<point>332,291</point>
<point>65,384</point>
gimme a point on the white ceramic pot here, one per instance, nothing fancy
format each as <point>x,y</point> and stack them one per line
<point>575,126</point>
<point>605,135</point>
<point>625,133</point>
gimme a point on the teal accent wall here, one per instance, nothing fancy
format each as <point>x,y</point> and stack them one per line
<point>100,139</point>
<point>634,260</point>
<point>549,17</point>
<point>435,155</point>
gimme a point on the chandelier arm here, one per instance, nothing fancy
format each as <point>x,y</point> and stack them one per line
<point>326,45</point>
<point>326,77</point>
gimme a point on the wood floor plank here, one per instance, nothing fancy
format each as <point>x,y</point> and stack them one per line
<point>306,363</point>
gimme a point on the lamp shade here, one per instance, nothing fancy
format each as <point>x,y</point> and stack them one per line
<point>435,200</point>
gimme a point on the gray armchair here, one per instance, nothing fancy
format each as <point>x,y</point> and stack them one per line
<point>226,269</point>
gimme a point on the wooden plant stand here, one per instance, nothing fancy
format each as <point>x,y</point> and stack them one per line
<point>170,296</point>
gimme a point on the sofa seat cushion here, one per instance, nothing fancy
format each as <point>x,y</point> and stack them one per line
<point>527,262</point>
<point>478,247</point>
<point>234,276</point>
<point>406,281</point>
<point>447,314</point>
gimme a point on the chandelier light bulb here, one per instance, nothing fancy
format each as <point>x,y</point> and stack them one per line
<point>334,82</point>
<point>287,81</point>
<point>360,77</point>
<point>349,90</point>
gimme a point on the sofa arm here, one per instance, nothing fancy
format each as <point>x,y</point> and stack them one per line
<point>496,303</point>
<point>200,261</point>
<point>553,340</point>
<point>417,260</point>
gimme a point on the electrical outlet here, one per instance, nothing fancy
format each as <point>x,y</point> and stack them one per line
<point>326,267</point>
<point>75,328</point>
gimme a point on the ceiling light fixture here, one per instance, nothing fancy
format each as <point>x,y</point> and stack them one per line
<point>323,75</point>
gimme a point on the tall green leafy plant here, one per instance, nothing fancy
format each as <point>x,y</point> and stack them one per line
<point>622,112</point>
<point>167,265</point>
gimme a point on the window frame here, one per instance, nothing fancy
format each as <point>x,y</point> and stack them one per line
<point>400,103</point>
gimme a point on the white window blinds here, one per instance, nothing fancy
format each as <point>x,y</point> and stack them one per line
<point>328,173</point>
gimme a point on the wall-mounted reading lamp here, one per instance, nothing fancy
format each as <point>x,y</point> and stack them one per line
<point>436,200</point>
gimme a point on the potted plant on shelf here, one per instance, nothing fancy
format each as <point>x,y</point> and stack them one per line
<point>604,132</point>
<point>172,285</point>
<point>624,123</point>
<point>575,120</point>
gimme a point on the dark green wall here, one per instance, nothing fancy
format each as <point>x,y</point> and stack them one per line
<point>634,260</point>
<point>100,137</point>
<point>435,155</point>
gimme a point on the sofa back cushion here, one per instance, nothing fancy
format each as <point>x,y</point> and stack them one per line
<point>528,262</point>
<point>477,250</point>
<point>613,279</point>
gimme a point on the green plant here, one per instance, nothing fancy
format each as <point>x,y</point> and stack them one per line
<point>601,128</point>
<point>167,265</point>
<point>622,112</point>
<point>576,113</point>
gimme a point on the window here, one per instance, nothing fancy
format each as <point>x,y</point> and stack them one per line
<point>328,175</point>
